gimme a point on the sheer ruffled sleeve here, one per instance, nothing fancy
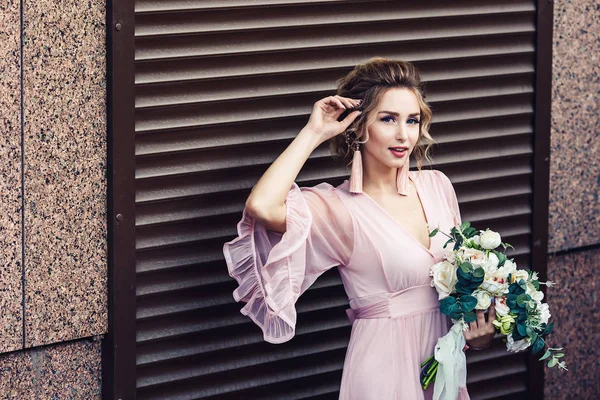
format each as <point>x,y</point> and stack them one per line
<point>274,269</point>
<point>450,195</point>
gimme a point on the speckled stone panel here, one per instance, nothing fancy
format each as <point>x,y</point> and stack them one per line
<point>65,170</point>
<point>575,141</point>
<point>575,310</point>
<point>69,370</point>
<point>11,314</point>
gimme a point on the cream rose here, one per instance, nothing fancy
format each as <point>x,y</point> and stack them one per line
<point>495,283</point>
<point>444,278</point>
<point>478,258</point>
<point>489,239</point>
<point>484,299</point>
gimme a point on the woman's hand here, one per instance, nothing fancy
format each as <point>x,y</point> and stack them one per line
<point>323,119</point>
<point>481,332</point>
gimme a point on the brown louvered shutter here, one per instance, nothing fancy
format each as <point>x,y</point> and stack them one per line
<point>222,87</point>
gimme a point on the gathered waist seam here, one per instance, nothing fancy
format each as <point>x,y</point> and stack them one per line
<point>383,308</point>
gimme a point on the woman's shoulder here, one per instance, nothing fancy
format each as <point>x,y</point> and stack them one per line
<point>324,189</point>
<point>326,195</point>
<point>433,176</point>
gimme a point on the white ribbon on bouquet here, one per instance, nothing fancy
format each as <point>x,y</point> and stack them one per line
<point>452,369</point>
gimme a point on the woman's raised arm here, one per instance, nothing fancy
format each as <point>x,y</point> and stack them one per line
<point>266,202</point>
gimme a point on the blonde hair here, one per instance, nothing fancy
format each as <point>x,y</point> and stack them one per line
<point>369,82</point>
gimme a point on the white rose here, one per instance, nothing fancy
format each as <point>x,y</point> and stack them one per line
<point>475,240</point>
<point>484,299</point>
<point>508,267</point>
<point>519,345</point>
<point>492,262</point>
<point>519,274</point>
<point>444,278</point>
<point>534,293</point>
<point>545,312</point>
<point>501,308</point>
<point>489,239</point>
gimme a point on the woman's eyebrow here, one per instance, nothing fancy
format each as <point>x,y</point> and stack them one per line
<point>398,114</point>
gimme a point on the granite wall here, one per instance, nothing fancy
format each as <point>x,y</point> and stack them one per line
<point>61,371</point>
<point>11,262</point>
<point>53,254</point>
<point>574,225</point>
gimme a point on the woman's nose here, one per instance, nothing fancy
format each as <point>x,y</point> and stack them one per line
<point>401,133</point>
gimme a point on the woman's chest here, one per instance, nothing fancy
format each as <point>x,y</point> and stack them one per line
<point>388,254</point>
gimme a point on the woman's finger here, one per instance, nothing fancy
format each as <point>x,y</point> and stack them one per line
<point>346,101</point>
<point>492,313</point>
<point>480,319</point>
<point>335,102</point>
<point>473,326</point>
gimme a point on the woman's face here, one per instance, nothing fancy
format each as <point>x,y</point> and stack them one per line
<point>393,130</point>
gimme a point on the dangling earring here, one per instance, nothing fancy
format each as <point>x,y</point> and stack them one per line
<point>356,175</point>
<point>402,178</point>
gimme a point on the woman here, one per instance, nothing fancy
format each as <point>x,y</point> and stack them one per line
<point>373,227</point>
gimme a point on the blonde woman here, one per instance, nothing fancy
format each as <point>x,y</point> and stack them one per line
<point>373,228</point>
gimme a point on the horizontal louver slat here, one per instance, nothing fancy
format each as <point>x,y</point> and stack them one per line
<point>209,21</point>
<point>455,49</point>
<point>222,87</point>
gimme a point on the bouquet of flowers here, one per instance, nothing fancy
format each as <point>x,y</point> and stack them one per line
<point>470,277</point>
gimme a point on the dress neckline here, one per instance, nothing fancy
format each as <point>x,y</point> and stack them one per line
<point>423,207</point>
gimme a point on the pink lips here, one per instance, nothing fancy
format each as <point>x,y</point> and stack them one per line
<point>399,153</point>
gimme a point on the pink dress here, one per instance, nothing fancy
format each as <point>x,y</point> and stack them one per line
<point>385,271</point>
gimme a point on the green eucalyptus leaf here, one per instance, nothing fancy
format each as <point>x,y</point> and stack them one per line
<point>520,300</point>
<point>470,232</point>
<point>511,301</point>
<point>546,355</point>
<point>466,267</point>
<point>522,329</point>
<point>516,335</point>
<point>468,302</point>
<point>559,355</point>
<point>552,362</point>
<point>434,232</point>
<point>462,289</point>
<point>448,305</point>
<point>448,242</point>
<point>533,336</point>
<point>479,273</point>
<point>538,345</point>
<point>470,316</point>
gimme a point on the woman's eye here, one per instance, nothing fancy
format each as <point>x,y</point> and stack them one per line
<point>413,121</point>
<point>388,119</point>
